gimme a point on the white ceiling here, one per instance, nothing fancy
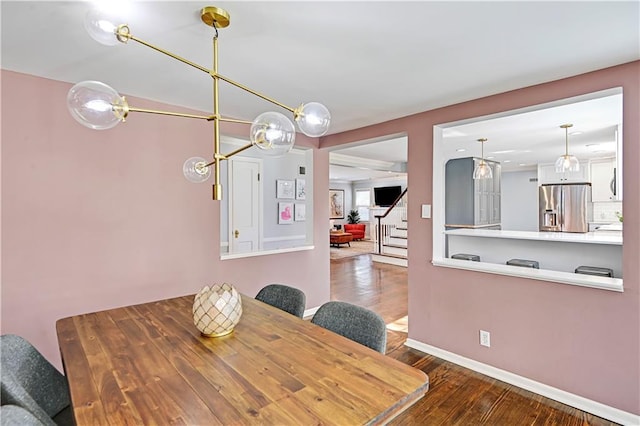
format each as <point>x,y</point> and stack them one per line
<point>369,160</point>
<point>523,140</point>
<point>368,62</point>
<point>519,140</point>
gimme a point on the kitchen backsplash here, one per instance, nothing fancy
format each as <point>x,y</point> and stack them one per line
<point>606,212</point>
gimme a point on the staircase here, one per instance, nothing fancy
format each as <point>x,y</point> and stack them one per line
<point>390,233</point>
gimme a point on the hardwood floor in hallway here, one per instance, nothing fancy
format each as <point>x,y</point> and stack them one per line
<point>457,395</point>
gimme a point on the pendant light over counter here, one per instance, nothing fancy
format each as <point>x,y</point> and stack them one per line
<point>566,162</point>
<point>482,170</point>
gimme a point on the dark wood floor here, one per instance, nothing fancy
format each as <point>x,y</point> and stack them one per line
<point>457,396</point>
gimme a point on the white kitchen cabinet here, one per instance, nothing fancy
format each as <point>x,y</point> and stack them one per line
<point>547,174</point>
<point>603,180</point>
<point>619,163</point>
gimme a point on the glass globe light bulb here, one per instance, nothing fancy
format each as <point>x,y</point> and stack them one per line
<point>274,133</point>
<point>101,27</point>
<point>96,105</point>
<point>195,170</point>
<point>313,119</point>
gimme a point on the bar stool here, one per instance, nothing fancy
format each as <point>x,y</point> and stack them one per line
<point>595,270</point>
<point>524,263</point>
<point>464,256</point>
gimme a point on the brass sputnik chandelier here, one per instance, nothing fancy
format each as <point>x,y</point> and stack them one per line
<point>98,106</point>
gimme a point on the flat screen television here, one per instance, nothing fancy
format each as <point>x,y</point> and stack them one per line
<point>385,195</point>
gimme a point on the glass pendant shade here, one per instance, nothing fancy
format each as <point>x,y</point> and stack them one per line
<point>96,105</point>
<point>313,119</point>
<point>567,163</point>
<point>195,170</point>
<point>274,133</point>
<point>101,27</point>
<point>482,171</point>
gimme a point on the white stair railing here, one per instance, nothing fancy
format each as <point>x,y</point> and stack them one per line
<point>385,224</point>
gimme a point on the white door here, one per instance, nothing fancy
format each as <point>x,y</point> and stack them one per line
<point>245,204</point>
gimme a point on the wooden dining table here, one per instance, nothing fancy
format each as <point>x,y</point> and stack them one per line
<point>148,364</point>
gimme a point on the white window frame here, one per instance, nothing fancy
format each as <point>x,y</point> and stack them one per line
<point>364,207</point>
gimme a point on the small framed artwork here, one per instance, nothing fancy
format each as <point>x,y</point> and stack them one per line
<point>336,204</point>
<point>301,191</point>
<point>285,189</point>
<point>285,213</point>
<point>300,212</point>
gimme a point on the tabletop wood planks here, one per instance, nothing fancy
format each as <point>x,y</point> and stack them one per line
<point>148,364</point>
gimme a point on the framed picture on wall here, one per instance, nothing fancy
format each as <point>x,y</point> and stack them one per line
<point>300,211</point>
<point>336,204</point>
<point>285,189</point>
<point>301,190</point>
<point>285,213</point>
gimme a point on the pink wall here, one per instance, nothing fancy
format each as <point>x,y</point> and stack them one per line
<point>98,219</point>
<point>581,340</point>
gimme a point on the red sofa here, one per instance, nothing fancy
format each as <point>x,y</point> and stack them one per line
<point>355,229</point>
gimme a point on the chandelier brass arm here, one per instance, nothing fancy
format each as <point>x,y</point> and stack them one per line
<point>175,114</point>
<point>100,107</point>
<point>231,154</point>
<point>239,150</point>
<point>234,120</point>
<point>123,35</point>
<point>253,92</point>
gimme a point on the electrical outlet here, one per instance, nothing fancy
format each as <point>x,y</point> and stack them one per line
<point>485,338</point>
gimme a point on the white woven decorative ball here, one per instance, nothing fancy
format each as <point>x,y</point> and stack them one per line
<point>217,310</point>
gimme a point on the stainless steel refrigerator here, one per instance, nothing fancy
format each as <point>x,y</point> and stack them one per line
<point>565,207</point>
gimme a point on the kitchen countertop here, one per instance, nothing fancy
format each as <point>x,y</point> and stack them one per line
<point>609,238</point>
<point>609,227</point>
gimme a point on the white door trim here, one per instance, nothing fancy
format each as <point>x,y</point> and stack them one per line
<point>260,207</point>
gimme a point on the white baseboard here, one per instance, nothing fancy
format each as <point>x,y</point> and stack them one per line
<point>389,260</point>
<point>308,313</point>
<point>286,238</point>
<point>581,403</point>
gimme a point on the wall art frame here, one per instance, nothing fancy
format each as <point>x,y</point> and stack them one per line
<point>300,212</point>
<point>336,204</point>
<point>285,189</point>
<point>285,213</point>
<point>301,189</point>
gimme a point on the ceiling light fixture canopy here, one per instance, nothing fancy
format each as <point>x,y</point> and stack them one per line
<point>566,162</point>
<point>100,107</point>
<point>482,170</point>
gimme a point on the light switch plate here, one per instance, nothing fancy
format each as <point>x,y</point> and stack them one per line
<point>426,211</point>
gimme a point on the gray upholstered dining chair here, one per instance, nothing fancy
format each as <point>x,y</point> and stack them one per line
<point>14,415</point>
<point>288,299</point>
<point>353,322</point>
<point>29,381</point>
